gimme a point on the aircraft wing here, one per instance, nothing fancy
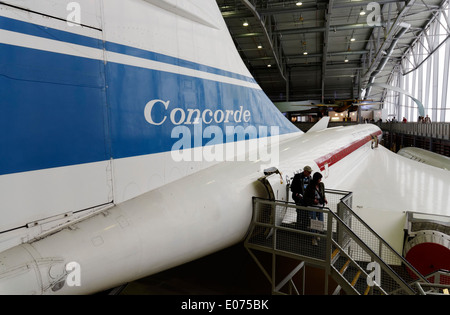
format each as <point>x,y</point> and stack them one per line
<point>385,185</point>
<point>425,156</point>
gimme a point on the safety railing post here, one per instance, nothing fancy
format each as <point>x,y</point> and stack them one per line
<point>328,249</point>
<point>274,243</point>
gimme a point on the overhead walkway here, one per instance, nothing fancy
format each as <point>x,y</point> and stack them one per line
<point>348,250</point>
<point>434,137</point>
<point>431,130</point>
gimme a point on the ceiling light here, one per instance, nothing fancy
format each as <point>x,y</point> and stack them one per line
<point>245,23</point>
<point>299,3</point>
<point>269,65</point>
<point>259,46</point>
<point>352,39</point>
<point>305,52</point>
<point>362,12</point>
<point>346,60</point>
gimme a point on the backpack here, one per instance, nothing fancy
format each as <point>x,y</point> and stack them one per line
<point>296,184</point>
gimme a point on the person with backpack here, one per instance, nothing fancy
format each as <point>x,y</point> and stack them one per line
<point>315,196</point>
<point>298,187</point>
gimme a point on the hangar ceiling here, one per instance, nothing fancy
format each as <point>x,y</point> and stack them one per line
<point>325,50</point>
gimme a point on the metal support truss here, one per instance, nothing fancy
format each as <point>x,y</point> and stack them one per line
<point>273,40</point>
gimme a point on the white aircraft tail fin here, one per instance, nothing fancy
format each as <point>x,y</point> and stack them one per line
<point>321,124</point>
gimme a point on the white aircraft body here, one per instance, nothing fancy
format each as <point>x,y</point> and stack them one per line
<point>133,137</point>
<point>425,156</point>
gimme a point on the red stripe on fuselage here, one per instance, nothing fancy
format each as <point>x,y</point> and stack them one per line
<point>339,154</point>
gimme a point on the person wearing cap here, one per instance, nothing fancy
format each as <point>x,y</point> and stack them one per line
<point>298,186</point>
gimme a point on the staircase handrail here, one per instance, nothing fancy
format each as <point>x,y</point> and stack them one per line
<point>374,255</point>
<point>407,263</point>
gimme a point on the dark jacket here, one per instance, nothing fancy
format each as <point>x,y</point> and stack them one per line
<point>298,186</point>
<point>310,194</point>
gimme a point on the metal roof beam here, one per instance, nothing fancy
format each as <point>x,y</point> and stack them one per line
<point>319,6</point>
<point>293,9</point>
<point>332,53</point>
<point>319,29</point>
<point>341,65</point>
<point>325,45</point>
<point>380,58</point>
<point>254,34</point>
<point>276,52</point>
<point>363,3</point>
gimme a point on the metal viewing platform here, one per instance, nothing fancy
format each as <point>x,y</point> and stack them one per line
<point>345,247</point>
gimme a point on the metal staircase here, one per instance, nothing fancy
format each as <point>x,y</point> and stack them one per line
<point>348,250</point>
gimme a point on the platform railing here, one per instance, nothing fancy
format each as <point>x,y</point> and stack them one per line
<point>378,245</point>
<point>359,260</point>
<point>433,130</point>
<point>439,283</point>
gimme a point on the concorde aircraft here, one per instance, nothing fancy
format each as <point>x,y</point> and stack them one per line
<point>133,136</point>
